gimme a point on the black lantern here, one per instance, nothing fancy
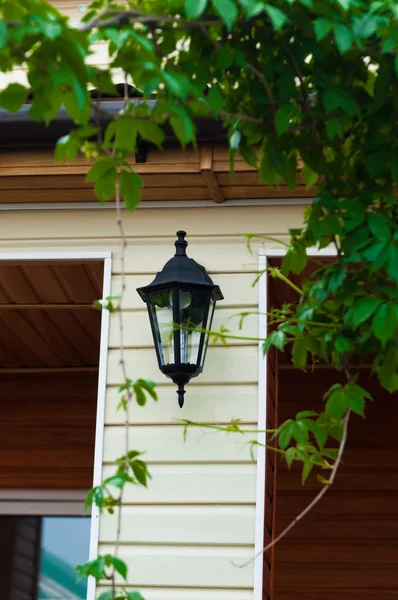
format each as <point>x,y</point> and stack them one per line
<point>181,302</point>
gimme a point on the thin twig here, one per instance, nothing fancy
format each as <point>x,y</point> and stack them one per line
<point>122,363</point>
<point>139,17</point>
<point>311,505</point>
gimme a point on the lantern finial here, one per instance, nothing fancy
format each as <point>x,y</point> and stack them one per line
<point>180,244</point>
<point>181,393</point>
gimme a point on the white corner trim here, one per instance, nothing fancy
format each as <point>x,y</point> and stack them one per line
<point>261,436</point>
<point>263,255</point>
<point>100,421</point>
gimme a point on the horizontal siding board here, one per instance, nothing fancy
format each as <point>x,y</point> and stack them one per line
<point>234,364</point>
<point>227,255</point>
<point>171,593</point>
<point>237,289</point>
<point>138,322</point>
<point>182,525</point>
<point>149,223</point>
<point>203,404</point>
<point>166,444</point>
<point>180,567</point>
<point>195,484</point>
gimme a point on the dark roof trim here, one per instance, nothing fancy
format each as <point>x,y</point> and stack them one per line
<point>19,129</point>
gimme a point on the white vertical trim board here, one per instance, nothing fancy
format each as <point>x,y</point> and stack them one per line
<point>100,423</point>
<point>261,438</point>
<point>263,255</point>
<point>30,499</point>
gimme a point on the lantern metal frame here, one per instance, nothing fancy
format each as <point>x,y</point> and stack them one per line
<point>181,274</point>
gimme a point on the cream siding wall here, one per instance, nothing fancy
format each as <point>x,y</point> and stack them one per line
<point>181,535</point>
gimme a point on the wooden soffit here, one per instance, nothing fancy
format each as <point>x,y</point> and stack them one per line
<point>31,176</point>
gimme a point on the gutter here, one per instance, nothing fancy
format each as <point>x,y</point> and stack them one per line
<point>20,130</point>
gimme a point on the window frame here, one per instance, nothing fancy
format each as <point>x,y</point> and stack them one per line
<point>263,255</point>
<point>69,502</point>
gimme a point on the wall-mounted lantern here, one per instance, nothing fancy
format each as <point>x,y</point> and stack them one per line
<point>181,302</point>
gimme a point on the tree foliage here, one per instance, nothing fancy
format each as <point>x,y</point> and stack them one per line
<point>295,82</point>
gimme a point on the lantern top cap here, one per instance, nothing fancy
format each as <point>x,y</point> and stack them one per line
<point>183,271</point>
<point>181,244</point>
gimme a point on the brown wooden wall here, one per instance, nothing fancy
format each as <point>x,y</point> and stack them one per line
<point>347,547</point>
<point>47,430</point>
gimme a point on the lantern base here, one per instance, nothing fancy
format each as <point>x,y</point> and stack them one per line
<point>181,394</point>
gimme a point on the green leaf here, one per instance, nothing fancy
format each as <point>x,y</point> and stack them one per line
<point>106,595</point>
<point>334,128</point>
<point>364,308</point>
<point>290,456</point>
<point>105,187</point>
<point>307,468</point>
<point>252,7</point>
<point>300,432</point>
<point>151,132</point>
<point>356,403</point>
<point>338,98</point>
<point>249,153</point>
<point>388,370</point>
<point>13,97</point>
<point>309,176</point>
<point>322,28</point>
<point>80,93</point>
<point>322,479</point>
<point>3,34</point>
<point>285,434</point>
<point>183,127</point>
<point>215,99</point>
<point>277,17</point>
<point>268,174</point>
<point>125,134</point>
<point>282,119</point>
<point>93,567</point>
<point>337,404</point>
<point>119,565</point>
<point>130,186</point>
<point>195,8</point>
<point>100,168</point>
<point>306,413</point>
<point>235,139</point>
<point>343,37</point>
<point>294,260</point>
<point>67,148</point>
<point>140,471</point>
<point>299,353</point>
<point>378,225</point>
<point>227,10</point>
<point>394,165</point>
<point>384,323</point>
<point>118,480</point>
<point>134,596</point>
<point>392,267</point>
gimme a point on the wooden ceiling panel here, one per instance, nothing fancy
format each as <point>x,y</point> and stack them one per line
<point>16,345</point>
<point>75,333</point>
<point>16,286</point>
<point>43,279</point>
<point>47,319</point>
<point>77,283</point>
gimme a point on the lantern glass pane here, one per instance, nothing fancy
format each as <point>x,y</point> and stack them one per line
<point>161,310</point>
<point>208,325</point>
<point>193,310</point>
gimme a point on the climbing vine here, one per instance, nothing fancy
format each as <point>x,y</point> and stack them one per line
<point>296,83</point>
